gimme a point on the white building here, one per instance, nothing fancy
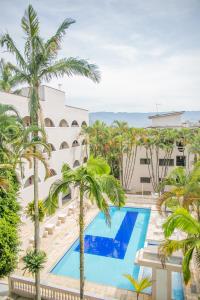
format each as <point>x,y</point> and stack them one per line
<point>63,127</point>
<point>141,181</point>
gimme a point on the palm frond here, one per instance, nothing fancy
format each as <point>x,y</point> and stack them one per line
<point>139,285</point>
<point>186,265</point>
<point>53,44</point>
<point>98,166</point>
<point>182,220</point>
<point>7,41</point>
<point>113,189</point>
<point>30,22</point>
<point>71,66</point>
<point>51,203</point>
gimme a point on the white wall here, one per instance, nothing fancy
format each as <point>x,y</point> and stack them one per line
<point>141,170</point>
<point>53,107</point>
<point>168,120</point>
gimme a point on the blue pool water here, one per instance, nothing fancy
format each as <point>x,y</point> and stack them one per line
<point>109,250</point>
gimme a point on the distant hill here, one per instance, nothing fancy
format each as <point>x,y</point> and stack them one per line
<point>136,119</point>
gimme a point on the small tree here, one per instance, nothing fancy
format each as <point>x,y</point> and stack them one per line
<point>139,285</point>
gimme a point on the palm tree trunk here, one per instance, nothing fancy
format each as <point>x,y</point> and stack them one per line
<point>81,237</point>
<point>36,226</point>
<point>34,98</point>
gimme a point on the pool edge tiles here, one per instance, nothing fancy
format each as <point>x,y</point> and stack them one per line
<point>115,263</point>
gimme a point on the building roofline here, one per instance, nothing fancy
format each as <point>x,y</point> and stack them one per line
<point>166,114</point>
<point>26,98</point>
<point>48,86</point>
<point>76,107</point>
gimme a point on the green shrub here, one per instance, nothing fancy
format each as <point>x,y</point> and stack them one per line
<point>9,246</point>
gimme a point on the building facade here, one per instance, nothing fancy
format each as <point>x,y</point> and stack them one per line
<point>63,126</point>
<point>141,181</point>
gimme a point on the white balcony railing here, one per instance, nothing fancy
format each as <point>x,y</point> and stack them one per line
<point>25,287</point>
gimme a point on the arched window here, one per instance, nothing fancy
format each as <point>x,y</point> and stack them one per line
<point>51,146</point>
<point>76,164</point>
<point>52,172</point>
<point>48,122</point>
<point>75,124</point>
<point>29,181</point>
<point>83,124</point>
<point>27,121</point>
<point>63,123</point>
<point>64,145</point>
<point>85,159</point>
<point>84,142</point>
<point>75,143</point>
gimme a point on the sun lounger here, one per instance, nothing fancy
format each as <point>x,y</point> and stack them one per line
<point>50,228</point>
<point>62,217</point>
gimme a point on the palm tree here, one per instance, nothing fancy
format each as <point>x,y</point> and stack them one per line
<point>7,79</point>
<point>37,64</point>
<point>96,184</point>
<point>184,191</point>
<point>121,130</point>
<point>139,285</point>
<point>190,245</point>
<point>177,180</point>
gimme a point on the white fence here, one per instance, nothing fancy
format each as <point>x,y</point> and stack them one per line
<point>25,287</point>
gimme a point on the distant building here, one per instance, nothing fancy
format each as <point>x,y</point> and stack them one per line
<point>171,119</point>
<point>140,181</point>
<point>63,125</point>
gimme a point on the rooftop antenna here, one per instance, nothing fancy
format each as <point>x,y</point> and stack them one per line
<point>157,104</point>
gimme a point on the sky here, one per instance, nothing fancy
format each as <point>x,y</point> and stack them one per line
<point>148,51</point>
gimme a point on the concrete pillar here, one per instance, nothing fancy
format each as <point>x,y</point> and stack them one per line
<point>162,284</point>
<point>153,283</point>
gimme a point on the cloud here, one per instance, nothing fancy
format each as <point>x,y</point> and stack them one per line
<point>147,51</point>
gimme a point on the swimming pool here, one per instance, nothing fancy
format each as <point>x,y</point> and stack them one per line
<point>109,251</point>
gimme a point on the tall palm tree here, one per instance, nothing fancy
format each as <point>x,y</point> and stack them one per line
<point>182,220</point>
<point>95,184</point>
<point>139,285</point>
<point>8,81</point>
<point>37,64</point>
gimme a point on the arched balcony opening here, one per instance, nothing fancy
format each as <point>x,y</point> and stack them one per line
<point>48,122</point>
<point>85,159</point>
<point>75,143</point>
<point>30,181</point>
<point>75,124</point>
<point>63,123</point>
<point>51,147</point>
<point>27,121</point>
<point>52,173</point>
<point>64,145</point>
<point>84,124</point>
<point>84,142</point>
<point>76,164</point>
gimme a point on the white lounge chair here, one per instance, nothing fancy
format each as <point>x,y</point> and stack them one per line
<point>50,228</point>
<point>62,217</point>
